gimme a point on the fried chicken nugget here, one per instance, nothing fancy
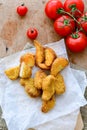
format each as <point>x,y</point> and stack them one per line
<point>28,58</point>
<point>59,84</point>
<point>40,55</point>
<point>30,88</point>
<point>25,70</point>
<point>43,66</point>
<point>58,65</point>
<point>39,76</point>
<point>48,105</point>
<point>13,73</point>
<point>50,55</point>
<point>48,87</point>
<point>24,82</point>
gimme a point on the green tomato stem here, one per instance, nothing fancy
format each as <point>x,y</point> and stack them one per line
<point>84,18</point>
<point>73,7</point>
<point>22,4</point>
<point>66,22</point>
<point>75,36</point>
<point>60,11</point>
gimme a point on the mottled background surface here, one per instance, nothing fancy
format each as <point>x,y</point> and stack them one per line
<point>13,28</point>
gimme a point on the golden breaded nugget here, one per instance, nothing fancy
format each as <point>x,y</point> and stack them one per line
<point>59,84</point>
<point>24,82</point>
<point>58,65</point>
<point>48,87</point>
<point>25,70</point>
<point>13,73</point>
<point>28,58</point>
<point>40,55</point>
<point>50,55</point>
<point>39,76</point>
<point>43,66</point>
<point>31,90</point>
<point>48,105</point>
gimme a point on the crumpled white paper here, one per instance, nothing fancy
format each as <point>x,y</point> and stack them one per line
<point>67,122</point>
<point>81,78</point>
<point>22,112</point>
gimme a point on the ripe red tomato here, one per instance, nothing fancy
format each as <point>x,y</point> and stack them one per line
<point>51,8</point>
<point>83,21</point>
<point>75,7</point>
<point>76,42</point>
<point>64,25</point>
<point>22,10</point>
<point>32,33</point>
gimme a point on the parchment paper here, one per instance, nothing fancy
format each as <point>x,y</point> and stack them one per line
<point>67,122</point>
<point>22,112</point>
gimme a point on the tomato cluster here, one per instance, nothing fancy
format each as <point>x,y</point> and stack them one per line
<point>70,22</point>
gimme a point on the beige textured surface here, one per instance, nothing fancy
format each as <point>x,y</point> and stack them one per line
<point>13,28</point>
<point>79,124</point>
<point>13,33</point>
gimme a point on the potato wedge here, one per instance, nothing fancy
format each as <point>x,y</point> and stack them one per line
<point>24,82</point>
<point>40,55</point>
<point>39,76</point>
<point>43,66</point>
<point>50,56</point>
<point>48,105</point>
<point>13,73</point>
<point>25,70</point>
<point>48,87</point>
<point>59,84</point>
<point>28,58</point>
<point>31,90</point>
<point>58,65</point>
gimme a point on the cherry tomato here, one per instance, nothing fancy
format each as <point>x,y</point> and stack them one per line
<point>52,7</point>
<point>75,7</point>
<point>22,10</point>
<point>32,33</point>
<point>83,21</point>
<point>64,25</point>
<point>76,42</point>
